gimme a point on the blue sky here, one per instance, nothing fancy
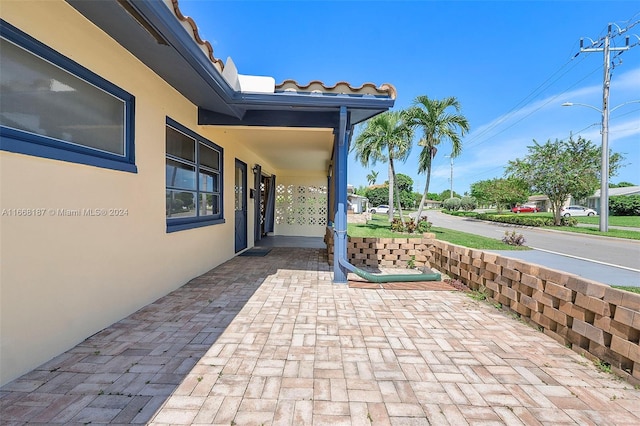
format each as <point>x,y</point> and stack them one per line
<point>509,64</point>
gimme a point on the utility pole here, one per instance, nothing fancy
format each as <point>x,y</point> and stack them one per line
<point>451,177</point>
<point>604,178</point>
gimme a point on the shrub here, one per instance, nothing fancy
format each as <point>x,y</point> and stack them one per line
<point>410,226</point>
<point>396,225</point>
<point>468,203</point>
<point>513,239</point>
<point>568,221</point>
<point>423,225</point>
<point>520,219</point>
<point>452,204</point>
<point>624,205</point>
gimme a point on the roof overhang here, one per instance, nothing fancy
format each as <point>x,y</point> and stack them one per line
<point>156,33</point>
<point>150,30</point>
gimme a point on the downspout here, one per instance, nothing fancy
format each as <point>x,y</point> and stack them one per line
<point>341,265</point>
<point>390,278</point>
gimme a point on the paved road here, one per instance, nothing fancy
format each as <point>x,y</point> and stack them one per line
<point>608,260</point>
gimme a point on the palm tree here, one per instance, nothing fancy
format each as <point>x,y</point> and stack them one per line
<point>386,137</point>
<point>437,125</point>
<point>371,177</point>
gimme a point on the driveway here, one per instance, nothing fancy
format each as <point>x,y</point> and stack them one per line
<point>270,340</point>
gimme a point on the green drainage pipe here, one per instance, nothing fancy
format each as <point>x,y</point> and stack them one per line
<point>389,278</point>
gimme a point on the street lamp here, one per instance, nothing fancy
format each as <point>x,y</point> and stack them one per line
<point>604,178</point>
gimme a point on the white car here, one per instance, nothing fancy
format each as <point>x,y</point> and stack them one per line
<point>381,209</point>
<point>569,211</point>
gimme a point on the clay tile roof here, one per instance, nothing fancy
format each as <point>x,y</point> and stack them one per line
<point>288,85</point>
<point>190,25</point>
<point>339,88</point>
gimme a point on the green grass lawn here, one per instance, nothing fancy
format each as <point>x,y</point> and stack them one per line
<point>616,233</point>
<point>628,221</point>
<point>631,289</point>
<point>378,227</point>
<point>472,241</point>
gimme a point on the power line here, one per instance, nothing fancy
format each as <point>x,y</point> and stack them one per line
<point>547,83</point>
<point>519,106</point>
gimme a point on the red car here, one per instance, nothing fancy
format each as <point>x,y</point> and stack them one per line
<point>527,208</point>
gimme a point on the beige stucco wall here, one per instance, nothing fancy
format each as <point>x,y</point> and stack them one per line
<point>65,278</point>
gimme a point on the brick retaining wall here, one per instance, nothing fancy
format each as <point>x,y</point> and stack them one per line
<point>590,317</point>
<point>386,252</point>
<point>601,322</point>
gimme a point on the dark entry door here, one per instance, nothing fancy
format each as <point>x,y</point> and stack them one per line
<point>241,205</point>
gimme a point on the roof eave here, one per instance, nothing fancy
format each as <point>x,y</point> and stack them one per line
<point>174,55</point>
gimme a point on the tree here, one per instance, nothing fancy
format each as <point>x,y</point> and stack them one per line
<point>371,177</point>
<point>433,196</point>
<point>386,137</point>
<point>377,196</point>
<point>562,168</point>
<point>500,192</point>
<point>361,190</point>
<point>437,125</point>
<point>404,182</point>
<point>446,194</point>
<point>468,203</point>
<point>451,204</point>
<point>622,184</point>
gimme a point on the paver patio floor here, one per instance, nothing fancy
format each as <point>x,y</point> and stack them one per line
<point>270,340</point>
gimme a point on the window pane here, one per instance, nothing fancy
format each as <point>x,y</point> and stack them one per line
<point>208,181</point>
<point>179,175</point>
<point>209,204</point>
<point>209,157</point>
<point>181,204</point>
<point>40,98</point>
<point>180,145</point>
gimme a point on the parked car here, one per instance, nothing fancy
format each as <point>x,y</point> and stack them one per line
<point>382,209</point>
<point>569,211</point>
<point>527,208</point>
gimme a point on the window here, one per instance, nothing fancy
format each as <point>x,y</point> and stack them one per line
<point>193,179</point>
<point>53,107</point>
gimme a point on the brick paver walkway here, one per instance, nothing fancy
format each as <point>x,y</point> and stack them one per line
<point>269,340</point>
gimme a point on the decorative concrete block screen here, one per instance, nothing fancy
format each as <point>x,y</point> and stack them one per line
<point>591,317</point>
<point>301,209</point>
<point>601,322</point>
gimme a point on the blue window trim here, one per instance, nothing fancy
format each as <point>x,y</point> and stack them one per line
<point>181,224</point>
<point>21,142</point>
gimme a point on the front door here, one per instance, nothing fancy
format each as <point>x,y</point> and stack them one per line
<point>241,205</point>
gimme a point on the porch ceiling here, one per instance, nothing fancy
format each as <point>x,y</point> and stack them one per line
<point>308,149</point>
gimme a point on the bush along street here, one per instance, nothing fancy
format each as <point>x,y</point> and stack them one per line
<point>516,219</point>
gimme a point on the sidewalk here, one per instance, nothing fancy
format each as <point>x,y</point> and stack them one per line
<point>270,340</point>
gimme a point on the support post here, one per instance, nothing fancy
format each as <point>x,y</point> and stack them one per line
<point>340,184</point>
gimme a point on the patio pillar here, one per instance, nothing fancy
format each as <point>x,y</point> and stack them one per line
<point>340,185</point>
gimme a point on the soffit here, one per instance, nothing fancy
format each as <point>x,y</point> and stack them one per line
<point>286,148</point>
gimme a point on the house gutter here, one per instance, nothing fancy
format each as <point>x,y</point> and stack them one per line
<point>161,18</point>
